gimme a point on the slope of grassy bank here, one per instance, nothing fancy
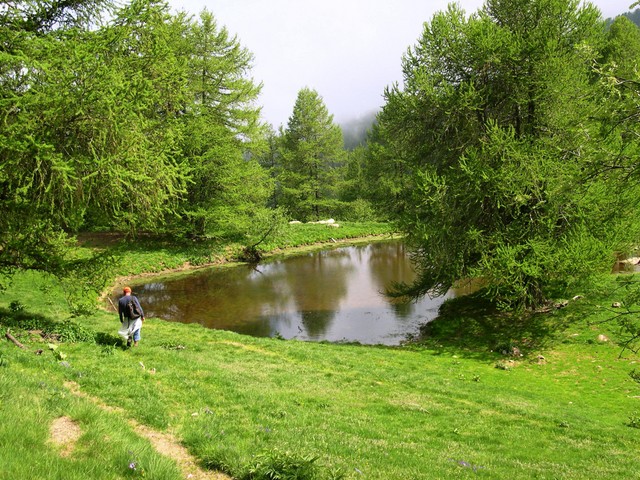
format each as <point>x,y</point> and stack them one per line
<point>266,408</point>
<point>153,255</point>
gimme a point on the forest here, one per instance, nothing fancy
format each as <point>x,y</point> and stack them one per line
<point>509,152</point>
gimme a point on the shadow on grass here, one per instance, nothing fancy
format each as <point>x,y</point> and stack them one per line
<point>55,330</point>
<point>471,326</point>
<point>62,331</point>
<point>109,340</point>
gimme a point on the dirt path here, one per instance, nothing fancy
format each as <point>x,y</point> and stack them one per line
<point>165,443</point>
<point>64,432</point>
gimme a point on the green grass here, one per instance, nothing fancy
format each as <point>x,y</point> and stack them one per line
<point>254,406</point>
<point>32,396</point>
<point>132,257</point>
<point>309,234</point>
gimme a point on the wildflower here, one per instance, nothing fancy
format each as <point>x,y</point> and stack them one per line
<point>132,465</point>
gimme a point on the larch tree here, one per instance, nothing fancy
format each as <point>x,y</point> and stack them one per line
<point>494,127</point>
<point>132,119</point>
<point>68,91</point>
<point>223,134</point>
<point>311,154</point>
<point>129,118</point>
<point>622,48</point>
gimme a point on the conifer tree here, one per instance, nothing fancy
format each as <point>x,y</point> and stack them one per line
<point>495,128</point>
<point>311,154</point>
<point>223,133</point>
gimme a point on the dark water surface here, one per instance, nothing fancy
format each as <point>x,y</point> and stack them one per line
<point>330,295</point>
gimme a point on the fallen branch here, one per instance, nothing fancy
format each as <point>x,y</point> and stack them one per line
<point>13,339</point>
<point>111,302</point>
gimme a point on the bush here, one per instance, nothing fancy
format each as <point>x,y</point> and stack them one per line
<point>277,465</point>
<point>66,331</point>
<point>72,332</point>
<point>16,306</point>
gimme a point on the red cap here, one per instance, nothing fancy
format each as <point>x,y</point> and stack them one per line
<point>126,290</point>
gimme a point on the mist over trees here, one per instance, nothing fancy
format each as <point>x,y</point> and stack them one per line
<point>356,131</point>
<point>508,153</point>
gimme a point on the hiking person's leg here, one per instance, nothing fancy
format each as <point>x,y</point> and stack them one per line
<point>136,337</point>
<point>130,336</point>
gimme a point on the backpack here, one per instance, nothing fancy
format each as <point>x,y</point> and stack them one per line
<point>132,309</point>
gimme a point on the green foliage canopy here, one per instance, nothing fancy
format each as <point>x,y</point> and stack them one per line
<point>84,134</point>
<point>622,48</point>
<point>494,128</point>
<point>223,134</point>
<point>142,122</point>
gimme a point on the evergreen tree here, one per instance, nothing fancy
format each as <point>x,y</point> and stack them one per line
<point>311,155</point>
<point>223,136</point>
<point>622,47</point>
<point>494,128</point>
<point>82,134</point>
<point>386,176</point>
<point>270,161</point>
<point>128,122</point>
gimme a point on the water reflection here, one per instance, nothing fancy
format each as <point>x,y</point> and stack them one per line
<point>331,295</point>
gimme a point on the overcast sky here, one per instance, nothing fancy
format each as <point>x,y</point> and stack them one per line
<point>347,50</point>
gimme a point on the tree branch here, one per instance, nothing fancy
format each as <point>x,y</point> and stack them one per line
<point>13,339</point>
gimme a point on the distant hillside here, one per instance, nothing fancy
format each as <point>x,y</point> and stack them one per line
<point>355,131</point>
<point>633,16</point>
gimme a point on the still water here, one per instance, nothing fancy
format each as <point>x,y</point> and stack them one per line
<point>334,295</point>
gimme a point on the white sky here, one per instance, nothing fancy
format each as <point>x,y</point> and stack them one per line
<point>347,50</point>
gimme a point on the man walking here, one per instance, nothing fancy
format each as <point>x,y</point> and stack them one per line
<point>131,316</point>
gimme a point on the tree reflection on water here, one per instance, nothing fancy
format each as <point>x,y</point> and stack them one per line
<point>334,295</point>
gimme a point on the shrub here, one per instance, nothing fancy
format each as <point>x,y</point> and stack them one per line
<point>277,465</point>
<point>67,331</point>
<point>72,332</point>
<point>17,306</point>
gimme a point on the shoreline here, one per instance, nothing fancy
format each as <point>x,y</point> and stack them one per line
<point>187,268</point>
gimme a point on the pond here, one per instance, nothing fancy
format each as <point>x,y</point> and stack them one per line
<point>334,295</point>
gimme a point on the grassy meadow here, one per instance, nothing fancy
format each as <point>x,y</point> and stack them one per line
<point>481,397</point>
